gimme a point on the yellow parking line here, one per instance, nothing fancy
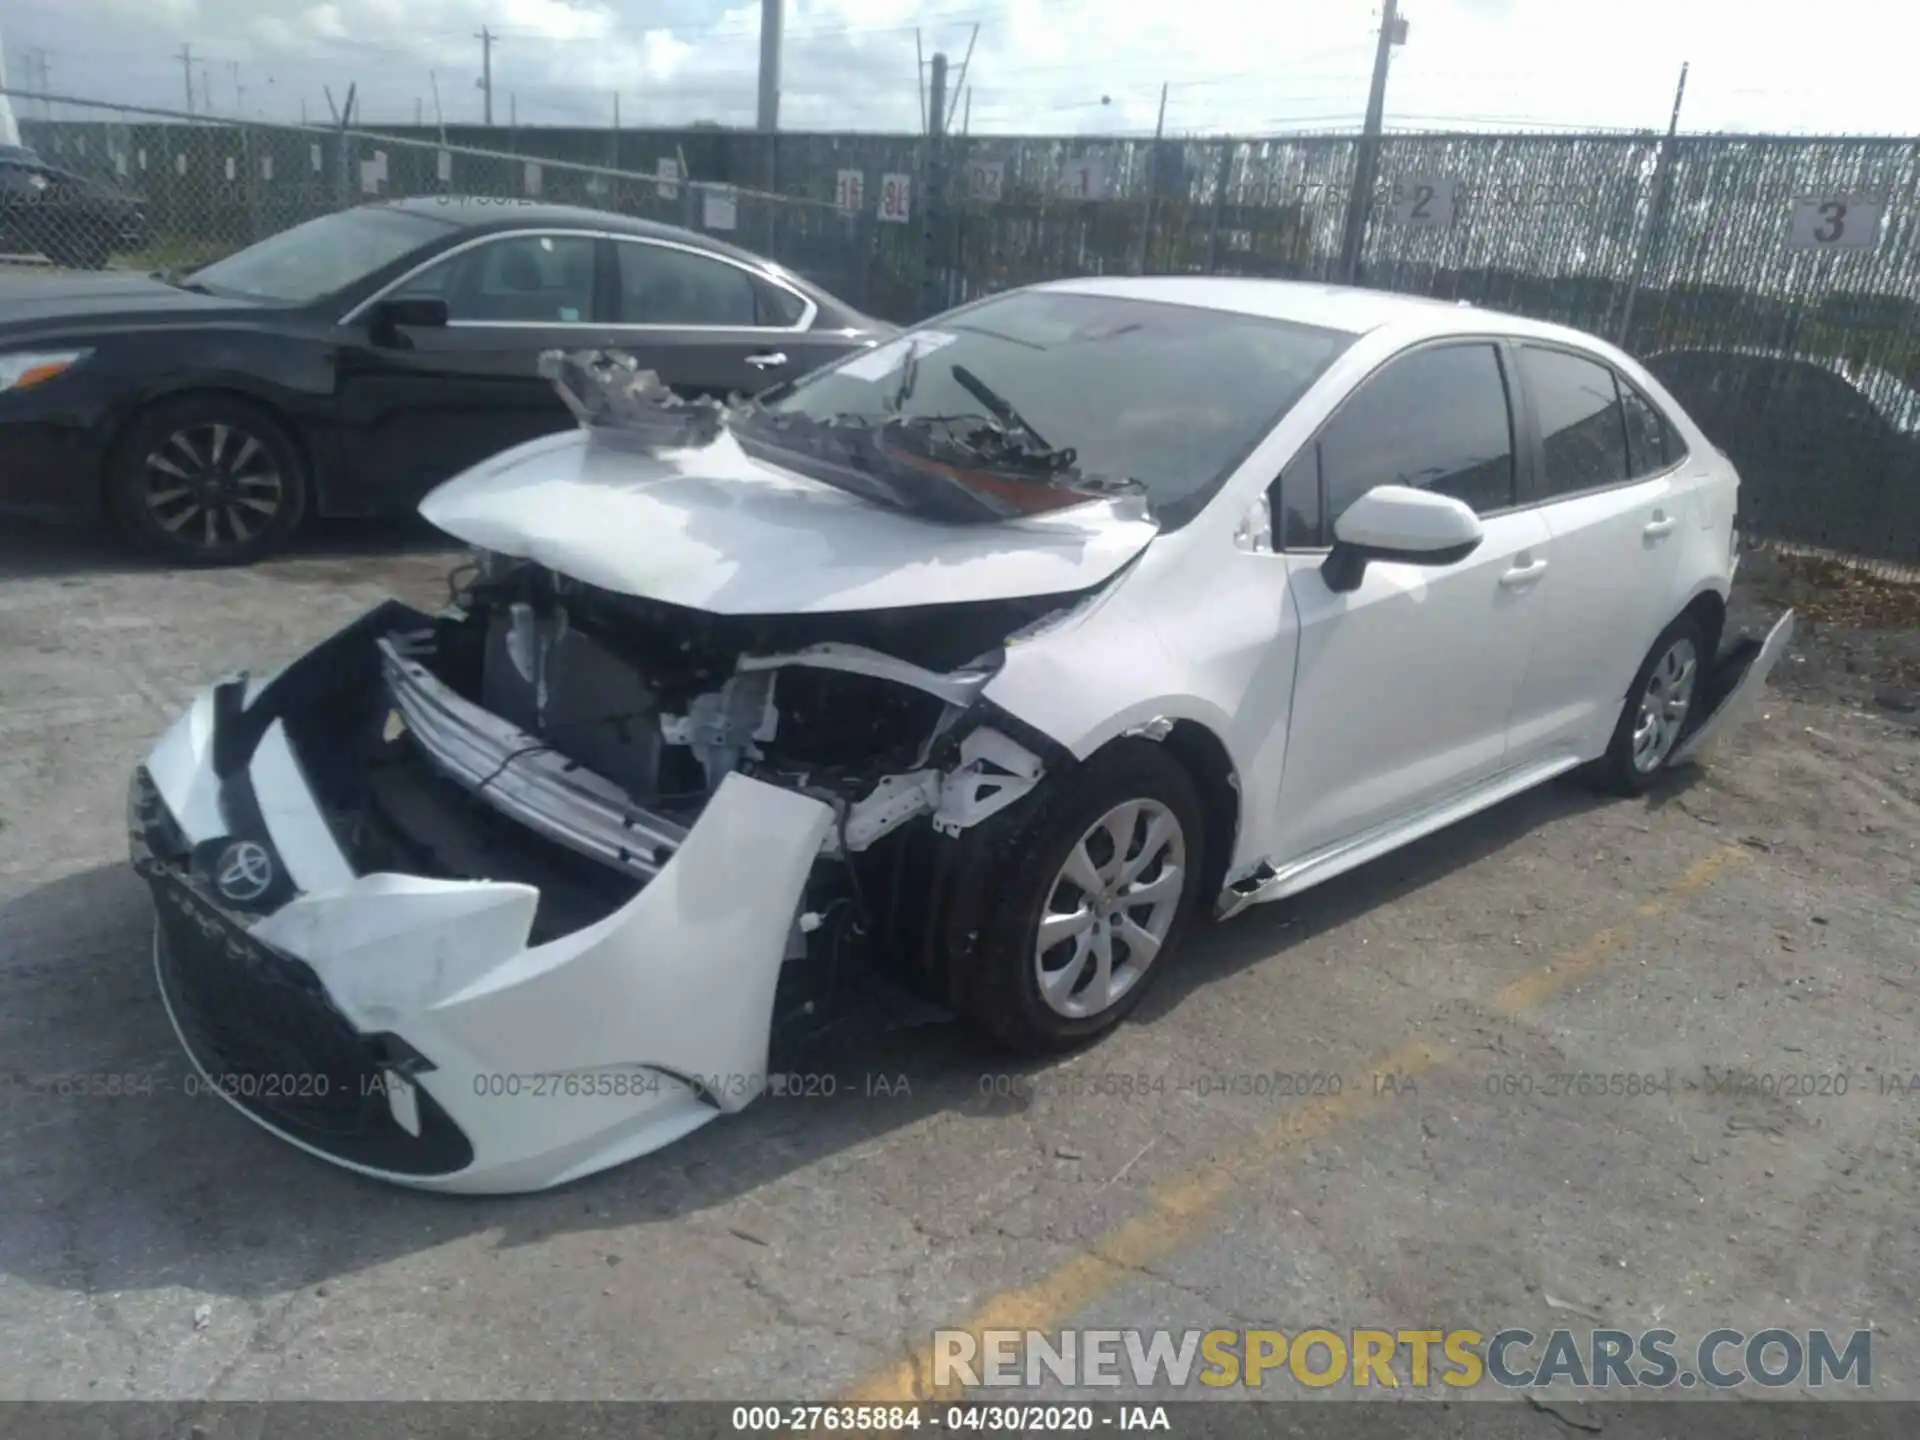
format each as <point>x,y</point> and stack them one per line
<point>1183,1206</point>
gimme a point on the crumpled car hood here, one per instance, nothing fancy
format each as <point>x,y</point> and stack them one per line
<point>716,530</point>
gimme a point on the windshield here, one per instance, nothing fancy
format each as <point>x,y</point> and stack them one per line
<point>1172,397</point>
<point>322,256</point>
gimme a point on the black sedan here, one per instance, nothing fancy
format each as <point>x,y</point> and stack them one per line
<point>70,218</point>
<point>348,365</point>
<point>1828,451</point>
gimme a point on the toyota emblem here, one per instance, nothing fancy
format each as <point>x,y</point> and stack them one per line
<point>244,871</point>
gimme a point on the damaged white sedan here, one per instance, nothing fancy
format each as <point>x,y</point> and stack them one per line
<point>989,655</point>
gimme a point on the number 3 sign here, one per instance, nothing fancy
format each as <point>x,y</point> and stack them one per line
<point>1841,223</point>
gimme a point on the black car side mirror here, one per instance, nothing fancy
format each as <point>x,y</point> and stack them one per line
<point>420,312</point>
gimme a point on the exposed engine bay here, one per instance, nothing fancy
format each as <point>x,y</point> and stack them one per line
<point>589,726</point>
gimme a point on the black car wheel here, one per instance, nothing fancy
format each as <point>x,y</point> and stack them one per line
<point>208,480</point>
<point>1062,909</point>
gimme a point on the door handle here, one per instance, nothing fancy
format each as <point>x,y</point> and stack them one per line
<point>1660,525</point>
<point>769,360</point>
<point>1522,576</point>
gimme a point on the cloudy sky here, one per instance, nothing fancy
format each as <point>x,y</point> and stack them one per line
<point>1048,66</point>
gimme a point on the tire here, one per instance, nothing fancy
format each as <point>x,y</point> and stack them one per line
<point>220,448</point>
<point>1662,696</point>
<point>1012,872</point>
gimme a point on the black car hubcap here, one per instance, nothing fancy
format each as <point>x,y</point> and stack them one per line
<point>213,485</point>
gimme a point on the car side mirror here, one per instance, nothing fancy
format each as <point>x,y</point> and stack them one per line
<point>419,312</point>
<point>1398,522</point>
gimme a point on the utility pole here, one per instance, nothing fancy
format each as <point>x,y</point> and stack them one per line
<point>239,90</point>
<point>1393,31</point>
<point>1656,210</point>
<point>936,99</point>
<point>613,150</point>
<point>485,37</point>
<point>770,28</point>
<point>931,200</point>
<point>186,69</point>
<point>1153,186</point>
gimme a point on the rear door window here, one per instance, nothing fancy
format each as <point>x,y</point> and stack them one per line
<point>662,285</point>
<point>1583,431</point>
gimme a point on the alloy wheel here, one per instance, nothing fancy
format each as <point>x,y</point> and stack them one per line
<point>1109,909</point>
<point>1664,705</point>
<point>212,485</point>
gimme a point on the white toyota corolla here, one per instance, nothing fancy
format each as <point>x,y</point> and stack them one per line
<point>991,655</point>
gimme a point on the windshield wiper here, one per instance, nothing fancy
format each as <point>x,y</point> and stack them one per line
<point>997,404</point>
<point>179,282</point>
<point>909,374</point>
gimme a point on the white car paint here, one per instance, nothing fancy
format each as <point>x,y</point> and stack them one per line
<point>716,530</point>
<point>673,992</point>
<point>1352,720</point>
<point>1396,697</point>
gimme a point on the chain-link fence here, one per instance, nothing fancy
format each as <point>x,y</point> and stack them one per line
<point>1773,283</point>
<point>150,190</point>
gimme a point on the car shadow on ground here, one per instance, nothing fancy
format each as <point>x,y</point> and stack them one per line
<point>129,1192</point>
<point>44,549</point>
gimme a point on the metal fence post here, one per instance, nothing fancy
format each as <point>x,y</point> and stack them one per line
<point>1222,172</point>
<point>1656,213</point>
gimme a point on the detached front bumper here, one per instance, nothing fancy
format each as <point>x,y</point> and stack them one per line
<point>404,1026</point>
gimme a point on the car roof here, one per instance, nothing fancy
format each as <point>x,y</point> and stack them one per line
<point>1897,401</point>
<point>481,214</point>
<point>1346,308</point>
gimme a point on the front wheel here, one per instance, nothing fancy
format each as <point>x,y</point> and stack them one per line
<point>1657,712</point>
<point>1067,911</point>
<point>207,480</point>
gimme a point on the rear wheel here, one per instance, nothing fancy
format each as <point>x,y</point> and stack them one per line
<point>1065,911</point>
<point>207,480</point>
<point>1657,712</point>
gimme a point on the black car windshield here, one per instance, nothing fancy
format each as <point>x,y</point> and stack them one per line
<point>322,256</point>
<point>1170,396</point>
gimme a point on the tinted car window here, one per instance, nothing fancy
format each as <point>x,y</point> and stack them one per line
<point>522,277</point>
<point>663,286</point>
<point>1295,503</point>
<point>1436,420</point>
<point>1172,396</point>
<point>1582,432</point>
<point>777,306</point>
<point>324,255</point>
<point>1651,444</point>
